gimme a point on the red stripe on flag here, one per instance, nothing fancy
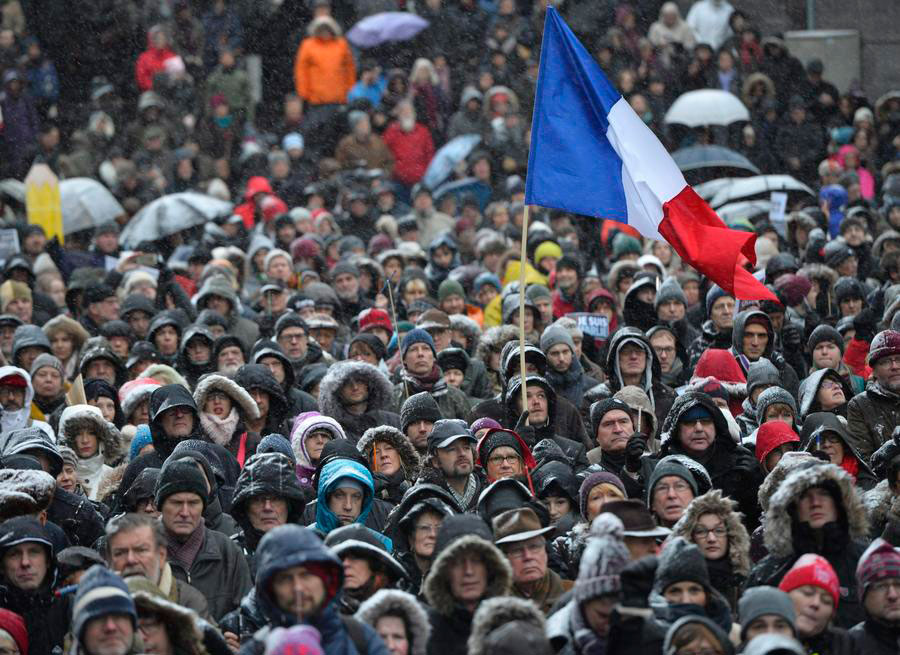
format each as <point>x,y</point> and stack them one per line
<point>702,240</point>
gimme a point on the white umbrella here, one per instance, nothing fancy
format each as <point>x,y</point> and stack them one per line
<point>707,107</point>
<point>707,190</point>
<point>743,209</point>
<point>171,214</point>
<point>86,204</point>
<point>747,188</point>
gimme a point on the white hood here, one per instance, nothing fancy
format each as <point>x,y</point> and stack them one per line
<point>17,419</point>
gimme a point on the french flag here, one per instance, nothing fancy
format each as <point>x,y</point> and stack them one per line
<point>592,155</point>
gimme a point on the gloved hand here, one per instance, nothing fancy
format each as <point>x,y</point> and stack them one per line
<point>791,336</point>
<point>637,446</point>
<point>637,582</point>
<point>866,324</point>
<point>527,432</point>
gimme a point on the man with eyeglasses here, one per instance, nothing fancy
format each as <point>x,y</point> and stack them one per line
<point>696,428</point>
<point>873,414</point>
<point>518,533</point>
<point>878,576</point>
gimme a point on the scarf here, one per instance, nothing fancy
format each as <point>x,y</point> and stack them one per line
<point>185,553</point>
<point>430,382</point>
<point>463,500</point>
<point>850,464</point>
<point>89,471</point>
<point>586,640</point>
<point>220,430</point>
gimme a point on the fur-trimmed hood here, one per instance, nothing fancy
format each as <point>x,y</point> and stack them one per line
<point>788,462</point>
<point>239,396</point>
<point>71,327</point>
<point>304,425</point>
<point>110,483</point>
<point>779,526</point>
<point>468,327</point>
<point>392,601</point>
<point>437,584</point>
<point>713,502</point>
<point>80,417</point>
<point>816,271</point>
<point>184,627</point>
<point>409,458</point>
<point>380,389</point>
<point>495,337</point>
<point>496,612</point>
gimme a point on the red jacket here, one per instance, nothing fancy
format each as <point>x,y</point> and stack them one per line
<point>412,152</point>
<point>149,63</point>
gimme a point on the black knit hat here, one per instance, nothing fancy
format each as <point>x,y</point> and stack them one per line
<point>680,561</point>
<point>600,408</point>
<point>419,407</point>
<point>824,333</point>
<point>96,293</point>
<point>461,525</point>
<point>180,475</point>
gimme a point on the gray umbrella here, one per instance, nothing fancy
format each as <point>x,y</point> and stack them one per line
<point>86,204</point>
<point>170,214</point>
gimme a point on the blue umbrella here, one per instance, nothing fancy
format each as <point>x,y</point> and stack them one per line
<point>387,26</point>
<point>464,187</point>
<point>446,159</point>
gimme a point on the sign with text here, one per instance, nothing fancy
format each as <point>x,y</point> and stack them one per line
<point>593,325</point>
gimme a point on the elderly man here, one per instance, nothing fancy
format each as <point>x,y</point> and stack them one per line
<point>878,576</point>
<point>467,569</point>
<point>522,538</point>
<point>207,559</point>
<point>26,582</point>
<point>104,618</point>
<point>612,423</point>
<point>100,304</point>
<point>173,418</point>
<point>136,545</point>
<point>873,414</point>
<point>421,373</point>
<point>450,463</point>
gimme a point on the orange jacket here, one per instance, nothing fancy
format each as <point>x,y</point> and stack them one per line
<point>324,71</point>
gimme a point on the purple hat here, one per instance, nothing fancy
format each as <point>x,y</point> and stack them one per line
<point>591,481</point>
<point>484,422</point>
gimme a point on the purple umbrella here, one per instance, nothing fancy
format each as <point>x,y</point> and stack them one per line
<point>386,26</point>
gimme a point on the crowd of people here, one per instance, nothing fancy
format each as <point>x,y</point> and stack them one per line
<point>304,427</point>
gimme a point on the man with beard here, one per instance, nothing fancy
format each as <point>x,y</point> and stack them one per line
<point>873,414</point>
<point>411,144</point>
<point>228,355</point>
<point>878,576</point>
<point>136,545</point>
<point>450,463</point>
<point>421,373</point>
<point>345,277</point>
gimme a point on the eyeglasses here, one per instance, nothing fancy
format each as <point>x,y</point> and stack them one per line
<point>428,528</point>
<point>149,624</point>
<point>830,384</point>
<point>888,362</point>
<point>701,533</point>
<point>294,336</point>
<point>677,487</point>
<point>6,392</point>
<point>666,350</point>
<point>882,586</point>
<point>503,459</point>
<point>217,395</point>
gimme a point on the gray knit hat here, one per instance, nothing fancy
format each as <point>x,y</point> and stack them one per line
<point>666,467</point>
<point>680,561</point>
<point>759,601</point>
<point>603,560</point>
<point>46,359</point>
<point>68,456</point>
<point>824,333</point>
<point>670,290</point>
<point>554,335</point>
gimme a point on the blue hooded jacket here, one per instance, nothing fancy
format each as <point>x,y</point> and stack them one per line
<point>836,197</point>
<point>332,472</point>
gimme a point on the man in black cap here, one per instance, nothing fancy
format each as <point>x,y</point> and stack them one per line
<point>228,355</point>
<point>138,310</point>
<point>26,582</point>
<point>451,462</point>
<point>418,414</point>
<point>173,418</point>
<point>100,305</point>
<point>619,446</point>
<point>368,567</point>
<point>206,559</point>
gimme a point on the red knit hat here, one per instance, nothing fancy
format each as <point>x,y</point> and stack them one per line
<point>15,626</point>
<point>881,561</point>
<point>771,435</point>
<point>373,318</point>
<point>812,570</point>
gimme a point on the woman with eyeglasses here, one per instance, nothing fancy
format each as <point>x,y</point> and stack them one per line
<point>824,390</point>
<point>826,434</point>
<point>712,522</point>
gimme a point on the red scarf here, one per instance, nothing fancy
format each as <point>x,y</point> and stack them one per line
<point>851,465</point>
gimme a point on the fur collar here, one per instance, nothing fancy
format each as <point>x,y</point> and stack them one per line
<point>408,456</point>
<point>239,396</point>
<point>778,532</point>
<point>496,612</point>
<point>437,584</point>
<point>713,502</point>
<point>380,389</point>
<point>391,601</point>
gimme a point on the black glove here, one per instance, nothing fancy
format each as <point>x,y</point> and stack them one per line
<point>529,436</point>
<point>637,446</point>
<point>791,337</point>
<point>637,582</point>
<point>866,324</point>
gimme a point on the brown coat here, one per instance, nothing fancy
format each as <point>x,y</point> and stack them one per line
<point>372,153</point>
